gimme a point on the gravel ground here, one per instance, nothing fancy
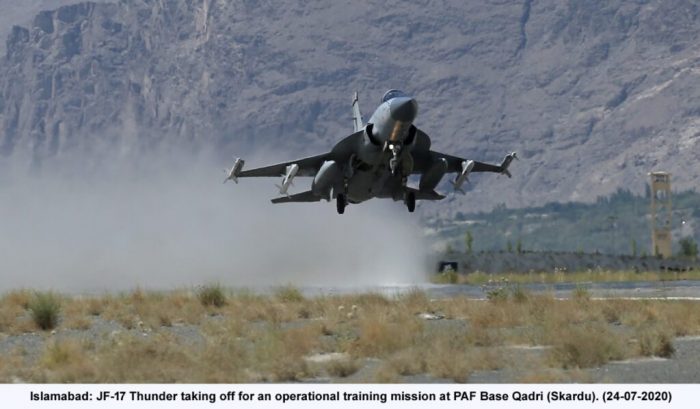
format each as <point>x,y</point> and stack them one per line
<point>682,367</point>
<point>524,361</point>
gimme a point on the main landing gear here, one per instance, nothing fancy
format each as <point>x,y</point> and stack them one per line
<point>340,203</point>
<point>411,201</point>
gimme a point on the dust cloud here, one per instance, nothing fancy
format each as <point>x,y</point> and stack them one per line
<point>169,222</point>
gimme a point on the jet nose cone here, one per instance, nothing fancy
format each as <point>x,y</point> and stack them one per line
<point>403,109</point>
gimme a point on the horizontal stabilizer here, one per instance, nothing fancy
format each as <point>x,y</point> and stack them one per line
<point>425,194</point>
<point>307,196</point>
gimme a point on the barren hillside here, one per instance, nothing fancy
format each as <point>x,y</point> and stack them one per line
<point>592,94</point>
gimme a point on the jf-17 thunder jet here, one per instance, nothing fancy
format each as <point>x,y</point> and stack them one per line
<point>374,161</point>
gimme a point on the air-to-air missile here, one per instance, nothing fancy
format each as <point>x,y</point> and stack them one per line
<point>287,178</point>
<point>467,167</point>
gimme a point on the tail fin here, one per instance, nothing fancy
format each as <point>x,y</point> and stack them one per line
<point>356,114</point>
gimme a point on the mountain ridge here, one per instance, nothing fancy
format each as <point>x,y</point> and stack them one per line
<point>593,95</point>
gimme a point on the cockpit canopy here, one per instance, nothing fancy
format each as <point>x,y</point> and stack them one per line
<point>393,93</point>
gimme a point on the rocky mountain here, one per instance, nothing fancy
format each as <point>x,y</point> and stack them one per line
<point>592,94</point>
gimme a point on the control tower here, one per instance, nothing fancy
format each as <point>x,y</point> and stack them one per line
<point>661,214</point>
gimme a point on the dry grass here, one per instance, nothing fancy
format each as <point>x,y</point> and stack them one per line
<point>655,340</point>
<point>562,276</point>
<point>279,354</point>
<point>10,316</point>
<point>342,368</point>
<point>14,368</point>
<point>134,359</point>
<point>67,361</point>
<point>17,298</point>
<point>256,338</point>
<point>450,356</point>
<point>379,336</point>
<point>586,346</point>
<point>139,310</point>
<point>443,352</point>
<point>77,314</point>
<point>406,362</point>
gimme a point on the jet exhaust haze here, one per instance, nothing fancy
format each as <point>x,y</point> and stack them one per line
<point>166,221</point>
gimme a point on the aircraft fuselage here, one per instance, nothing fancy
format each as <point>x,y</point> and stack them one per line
<point>387,132</point>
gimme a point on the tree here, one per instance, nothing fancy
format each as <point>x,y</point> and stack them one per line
<point>469,241</point>
<point>634,247</point>
<point>689,248</point>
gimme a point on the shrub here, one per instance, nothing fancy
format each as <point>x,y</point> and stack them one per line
<point>497,294</point>
<point>586,346</point>
<point>518,293</point>
<point>58,354</point>
<point>469,241</point>
<point>655,342</point>
<point>45,308</point>
<point>581,293</point>
<point>446,277</point>
<point>409,361</point>
<point>289,293</point>
<point>211,295</point>
<point>342,368</point>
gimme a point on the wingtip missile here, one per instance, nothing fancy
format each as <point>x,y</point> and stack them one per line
<point>506,163</point>
<point>232,174</point>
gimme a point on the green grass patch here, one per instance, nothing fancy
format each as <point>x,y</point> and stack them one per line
<point>45,309</point>
<point>289,293</point>
<point>211,295</point>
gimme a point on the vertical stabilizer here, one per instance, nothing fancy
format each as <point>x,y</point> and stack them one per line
<point>356,114</point>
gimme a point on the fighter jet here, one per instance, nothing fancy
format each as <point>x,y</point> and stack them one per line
<point>375,161</point>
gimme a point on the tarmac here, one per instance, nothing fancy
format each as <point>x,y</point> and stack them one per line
<point>666,290</point>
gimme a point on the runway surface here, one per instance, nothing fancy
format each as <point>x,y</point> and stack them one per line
<point>671,290</point>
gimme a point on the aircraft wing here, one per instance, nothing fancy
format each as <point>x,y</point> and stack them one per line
<point>454,163</point>
<point>307,167</point>
<point>341,152</point>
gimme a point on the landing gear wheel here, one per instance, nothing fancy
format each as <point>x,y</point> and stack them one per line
<point>411,202</point>
<point>340,203</point>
